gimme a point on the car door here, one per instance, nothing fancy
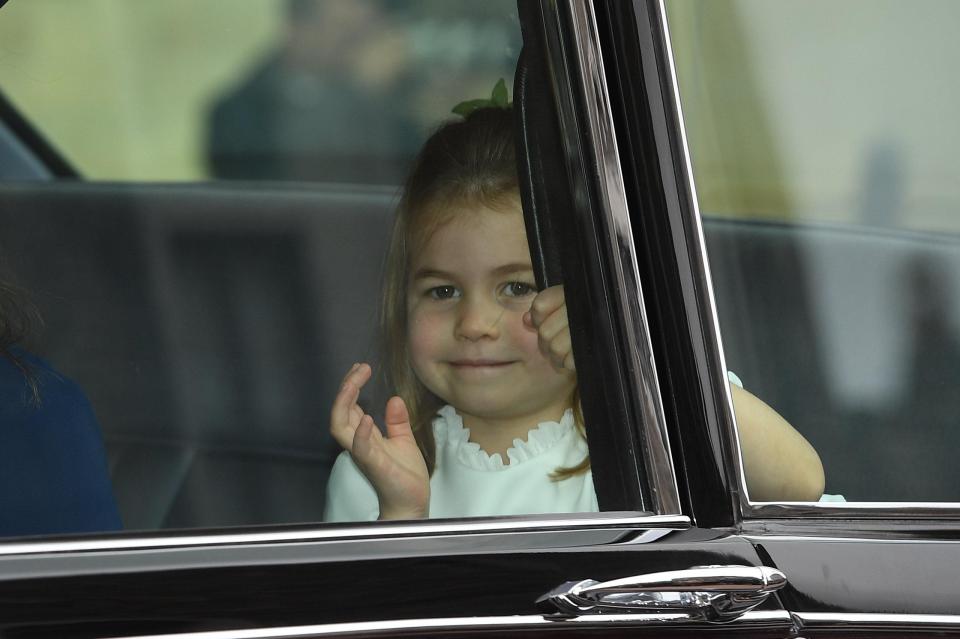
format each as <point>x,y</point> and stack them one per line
<point>197,558</point>
<point>802,213</point>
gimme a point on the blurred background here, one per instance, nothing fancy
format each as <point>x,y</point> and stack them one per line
<point>822,110</point>
<point>249,89</point>
<point>817,110</point>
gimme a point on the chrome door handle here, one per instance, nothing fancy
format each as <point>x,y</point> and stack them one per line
<point>712,593</point>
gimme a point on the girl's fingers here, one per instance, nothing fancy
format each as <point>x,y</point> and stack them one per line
<point>363,440</point>
<point>360,374</point>
<point>561,351</point>
<point>552,326</point>
<point>398,419</point>
<point>356,414</point>
<point>554,339</point>
<point>545,303</point>
<point>345,415</point>
<point>342,417</point>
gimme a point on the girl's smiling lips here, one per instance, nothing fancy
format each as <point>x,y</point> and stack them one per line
<point>469,364</point>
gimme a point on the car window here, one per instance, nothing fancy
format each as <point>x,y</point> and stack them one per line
<point>294,90</point>
<point>228,297</point>
<point>823,144</point>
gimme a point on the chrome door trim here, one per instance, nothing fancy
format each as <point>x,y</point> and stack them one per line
<point>582,65</point>
<point>700,270</point>
<point>711,593</point>
<point>758,620</point>
<point>876,621</point>
<point>852,510</point>
<point>349,532</point>
<point>855,536</point>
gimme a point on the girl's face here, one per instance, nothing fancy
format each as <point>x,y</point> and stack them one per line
<point>469,286</point>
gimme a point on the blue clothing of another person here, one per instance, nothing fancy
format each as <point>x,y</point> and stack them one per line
<point>53,469</point>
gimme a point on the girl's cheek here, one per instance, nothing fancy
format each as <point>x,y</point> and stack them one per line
<point>424,332</point>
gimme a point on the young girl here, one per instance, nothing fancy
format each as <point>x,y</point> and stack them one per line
<point>486,419</point>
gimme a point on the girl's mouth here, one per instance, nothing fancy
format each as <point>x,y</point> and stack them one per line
<point>478,364</point>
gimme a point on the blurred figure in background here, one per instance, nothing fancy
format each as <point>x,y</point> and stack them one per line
<point>324,105</point>
<point>930,403</point>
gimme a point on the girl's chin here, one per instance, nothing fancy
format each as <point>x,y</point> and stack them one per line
<point>499,411</point>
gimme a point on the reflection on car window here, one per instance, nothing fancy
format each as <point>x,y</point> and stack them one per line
<point>190,341</point>
<point>824,155</point>
<point>318,90</point>
<point>329,101</point>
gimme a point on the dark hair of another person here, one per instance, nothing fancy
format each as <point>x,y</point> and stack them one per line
<point>18,317</point>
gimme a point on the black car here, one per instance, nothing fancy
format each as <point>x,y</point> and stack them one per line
<point>202,289</point>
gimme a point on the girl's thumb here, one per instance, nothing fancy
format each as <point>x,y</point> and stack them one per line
<point>397,417</point>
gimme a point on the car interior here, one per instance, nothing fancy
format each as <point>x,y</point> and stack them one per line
<point>210,325</point>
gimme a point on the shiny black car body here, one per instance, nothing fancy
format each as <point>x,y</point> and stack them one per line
<point>612,213</point>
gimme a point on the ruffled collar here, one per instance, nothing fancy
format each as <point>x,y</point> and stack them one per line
<point>450,432</point>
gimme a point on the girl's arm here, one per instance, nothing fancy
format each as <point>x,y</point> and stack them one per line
<point>393,463</point>
<point>779,464</point>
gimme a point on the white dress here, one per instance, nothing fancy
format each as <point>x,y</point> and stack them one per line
<point>467,482</point>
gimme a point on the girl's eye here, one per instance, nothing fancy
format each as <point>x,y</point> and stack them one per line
<point>443,292</point>
<point>518,289</point>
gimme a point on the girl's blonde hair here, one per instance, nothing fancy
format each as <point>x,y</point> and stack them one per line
<point>471,161</point>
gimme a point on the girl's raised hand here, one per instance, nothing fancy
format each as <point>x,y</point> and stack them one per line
<point>393,464</point>
<point>548,314</point>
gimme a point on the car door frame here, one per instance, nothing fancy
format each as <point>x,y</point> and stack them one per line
<point>391,579</point>
<point>25,154</point>
<point>881,568</point>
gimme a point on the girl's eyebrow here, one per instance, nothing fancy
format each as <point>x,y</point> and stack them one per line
<point>515,267</point>
<point>506,269</point>
<point>427,272</point>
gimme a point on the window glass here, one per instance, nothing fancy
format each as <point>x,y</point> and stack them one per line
<point>279,90</point>
<point>823,137</point>
<point>171,352</point>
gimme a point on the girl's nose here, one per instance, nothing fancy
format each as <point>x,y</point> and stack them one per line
<point>478,319</point>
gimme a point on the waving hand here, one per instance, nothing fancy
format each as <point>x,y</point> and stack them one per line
<point>393,463</point>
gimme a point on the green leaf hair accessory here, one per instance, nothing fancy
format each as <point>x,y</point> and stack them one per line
<point>497,99</point>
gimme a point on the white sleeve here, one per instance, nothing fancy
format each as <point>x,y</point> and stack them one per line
<point>350,496</point>
<point>734,379</point>
<point>834,498</point>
